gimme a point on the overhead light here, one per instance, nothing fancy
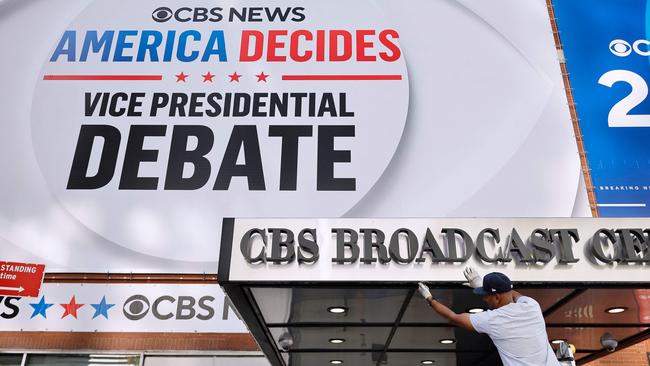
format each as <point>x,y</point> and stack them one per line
<point>616,310</point>
<point>336,362</point>
<point>475,310</point>
<point>337,309</point>
<point>427,362</point>
<point>558,341</point>
<point>337,340</point>
<point>447,341</point>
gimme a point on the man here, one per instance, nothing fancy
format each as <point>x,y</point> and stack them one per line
<point>515,324</point>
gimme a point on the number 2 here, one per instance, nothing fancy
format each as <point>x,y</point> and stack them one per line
<point>618,115</point>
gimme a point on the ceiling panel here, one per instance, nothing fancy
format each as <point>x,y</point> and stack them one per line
<point>459,300</point>
<point>416,358</point>
<point>291,305</point>
<point>390,358</point>
<point>325,358</point>
<point>589,338</point>
<point>431,337</point>
<point>442,358</point>
<point>591,306</point>
<point>546,297</point>
<point>370,338</point>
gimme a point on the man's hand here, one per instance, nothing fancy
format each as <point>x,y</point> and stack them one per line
<point>474,280</point>
<point>424,291</point>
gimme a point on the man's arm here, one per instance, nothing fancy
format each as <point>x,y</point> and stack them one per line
<point>461,320</point>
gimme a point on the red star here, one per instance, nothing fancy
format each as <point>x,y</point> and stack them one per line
<point>207,77</point>
<point>71,308</point>
<point>181,77</point>
<point>234,77</point>
<point>262,77</point>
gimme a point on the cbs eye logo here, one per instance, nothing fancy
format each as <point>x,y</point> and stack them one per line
<point>162,14</point>
<point>136,307</point>
<point>620,48</point>
<point>186,14</point>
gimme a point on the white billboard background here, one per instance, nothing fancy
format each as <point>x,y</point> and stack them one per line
<point>126,308</point>
<point>478,126</point>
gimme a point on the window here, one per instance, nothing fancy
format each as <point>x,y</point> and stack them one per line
<point>83,360</point>
<point>11,359</point>
<point>205,361</point>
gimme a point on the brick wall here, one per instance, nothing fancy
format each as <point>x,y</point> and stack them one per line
<point>635,355</point>
<point>127,341</point>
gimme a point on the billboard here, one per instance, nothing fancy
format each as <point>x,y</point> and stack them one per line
<point>122,308</point>
<point>606,50</point>
<point>127,138</point>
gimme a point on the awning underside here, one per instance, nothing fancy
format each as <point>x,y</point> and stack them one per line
<point>357,325</point>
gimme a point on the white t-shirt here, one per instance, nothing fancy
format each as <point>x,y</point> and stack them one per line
<point>519,333</point>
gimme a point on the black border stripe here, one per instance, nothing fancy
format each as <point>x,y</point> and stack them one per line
<point>225,251</point>
<point>444,325</point>
<point>247,310</point>
<point>558,304</point>
<point>400,350</point>
<point>394,350</point>
<point>396,325</point>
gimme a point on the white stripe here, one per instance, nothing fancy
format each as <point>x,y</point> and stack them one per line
<point>621,205</point>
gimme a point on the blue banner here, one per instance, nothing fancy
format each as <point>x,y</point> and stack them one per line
<point>607,49</point>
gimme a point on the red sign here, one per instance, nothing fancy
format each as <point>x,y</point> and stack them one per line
<point>20,279</point>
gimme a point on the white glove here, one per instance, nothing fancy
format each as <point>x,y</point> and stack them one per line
<point>424,291</point>
<point>474,280</point>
